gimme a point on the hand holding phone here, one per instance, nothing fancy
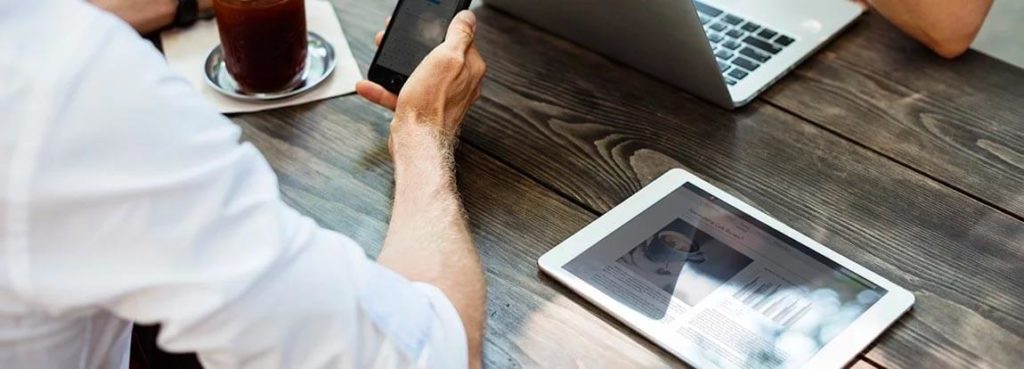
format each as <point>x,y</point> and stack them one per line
<point>443,87</point>
<point>416,28</point>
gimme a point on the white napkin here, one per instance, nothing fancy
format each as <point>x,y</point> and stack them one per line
<point>186,51</point>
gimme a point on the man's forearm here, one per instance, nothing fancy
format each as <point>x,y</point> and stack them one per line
<point>946,26</point>
<point>428,239</point>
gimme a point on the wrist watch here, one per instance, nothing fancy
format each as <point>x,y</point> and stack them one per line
<point>187,13</point>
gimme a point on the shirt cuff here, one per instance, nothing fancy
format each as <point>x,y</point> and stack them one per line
<point>448,346</point>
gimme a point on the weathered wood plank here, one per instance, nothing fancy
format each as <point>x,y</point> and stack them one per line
<point>333,165</point>
<point>597,132</point>
<point>959,121</point>
<point>332,162</point>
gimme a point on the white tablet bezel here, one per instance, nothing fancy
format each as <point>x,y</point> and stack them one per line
<point>835,354</point>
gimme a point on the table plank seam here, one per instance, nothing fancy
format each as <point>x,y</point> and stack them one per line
<point>895,160</point>
<point>532,178</point>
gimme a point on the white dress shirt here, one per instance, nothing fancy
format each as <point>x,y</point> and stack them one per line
<point>125,197</point>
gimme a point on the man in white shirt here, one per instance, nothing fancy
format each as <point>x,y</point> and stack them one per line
<point>125,197</point>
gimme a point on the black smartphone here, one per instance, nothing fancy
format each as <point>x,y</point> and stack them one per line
<point>416,28</point>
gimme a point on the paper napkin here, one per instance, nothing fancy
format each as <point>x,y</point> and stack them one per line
<point>186,51</point>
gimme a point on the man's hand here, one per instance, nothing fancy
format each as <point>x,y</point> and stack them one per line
<point>428,239</point>
<point>441,89</point>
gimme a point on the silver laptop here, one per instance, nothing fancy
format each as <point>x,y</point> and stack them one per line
<point>725,51</point>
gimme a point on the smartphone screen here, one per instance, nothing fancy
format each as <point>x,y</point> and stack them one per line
<point>417,27</point>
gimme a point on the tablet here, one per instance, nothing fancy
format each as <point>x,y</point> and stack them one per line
<point>721,285</point>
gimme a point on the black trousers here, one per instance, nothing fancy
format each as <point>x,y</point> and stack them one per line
<point>146,355</point>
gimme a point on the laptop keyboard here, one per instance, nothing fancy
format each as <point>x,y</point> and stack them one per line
<point>740,46</point>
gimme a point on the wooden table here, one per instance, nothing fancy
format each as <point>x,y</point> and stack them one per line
<point>906,163</point>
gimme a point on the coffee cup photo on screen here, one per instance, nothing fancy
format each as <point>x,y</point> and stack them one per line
<point>684,261</point>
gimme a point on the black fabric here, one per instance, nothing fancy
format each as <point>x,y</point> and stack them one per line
<point>188,12</point>
<point>146,355</point>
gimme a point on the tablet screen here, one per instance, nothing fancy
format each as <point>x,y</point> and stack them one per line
<point>734,291</point>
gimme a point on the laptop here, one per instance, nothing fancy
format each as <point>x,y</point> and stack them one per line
<point>725,51</point>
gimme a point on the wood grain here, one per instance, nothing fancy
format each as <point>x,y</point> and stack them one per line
<point>597,132</point>
<point>959,121</point>
<point>333,165</point>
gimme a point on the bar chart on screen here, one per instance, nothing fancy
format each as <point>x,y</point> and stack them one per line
<point>776,300</point>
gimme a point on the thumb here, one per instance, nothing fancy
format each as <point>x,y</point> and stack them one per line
<point>377,94</point>
<point>461,31</point>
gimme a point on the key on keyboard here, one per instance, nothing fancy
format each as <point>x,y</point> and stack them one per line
<point>745,63</point>
<point>723,66</point>
<point>751,27</point>
<point>706,9</point>
<point>735,33</point>
<point>762,44</point>
<point>767,34</point>
<point>738,74</point>
<point>754,54</point>
<point>732,19</point>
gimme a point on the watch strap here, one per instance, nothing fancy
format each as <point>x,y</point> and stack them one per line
<point>187,13</point>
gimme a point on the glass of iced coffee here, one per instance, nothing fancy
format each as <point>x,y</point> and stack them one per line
<point>264,42</point>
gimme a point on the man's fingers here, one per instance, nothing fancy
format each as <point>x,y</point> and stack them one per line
<point>462,30</point>
<point>477,61</point>
<point>376,94</point>
<point>380,35</point>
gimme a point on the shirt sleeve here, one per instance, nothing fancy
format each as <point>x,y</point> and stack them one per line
<point>138,199</point>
